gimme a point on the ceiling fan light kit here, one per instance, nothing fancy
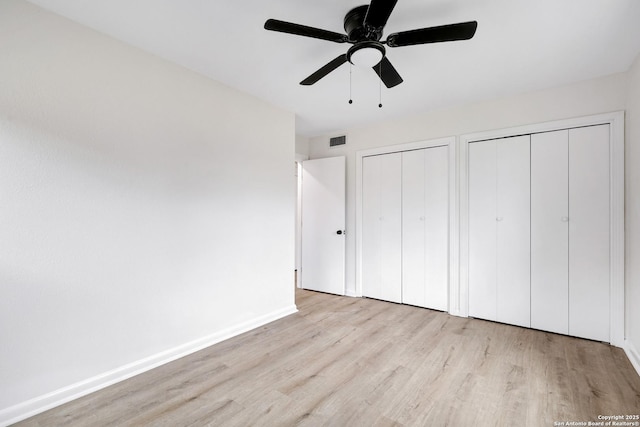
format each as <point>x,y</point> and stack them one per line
<point>364,26</point>
<point>366,54</point>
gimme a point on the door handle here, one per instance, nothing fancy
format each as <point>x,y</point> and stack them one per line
<point>341,232</point>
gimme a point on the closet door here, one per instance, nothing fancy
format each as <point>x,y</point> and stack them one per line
<point>550,231</point>
<point>482,229</point>
<point>589,232</point>
<point>513,273</point>
<point>499,230</point>
<point>382,227</point>
<point>425,227</point>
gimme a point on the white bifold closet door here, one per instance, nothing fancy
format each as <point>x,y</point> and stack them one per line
<point>563,247</point>
<point>382,227</point>
<point>499,230</point>
<point>425,227</point>
<point>570,232</point>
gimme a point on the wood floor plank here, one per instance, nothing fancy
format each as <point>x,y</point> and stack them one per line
<point>345,361</point>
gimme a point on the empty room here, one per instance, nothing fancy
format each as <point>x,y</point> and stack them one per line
<point>393,213</point>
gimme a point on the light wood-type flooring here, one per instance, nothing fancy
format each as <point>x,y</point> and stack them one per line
<point>359,362</point>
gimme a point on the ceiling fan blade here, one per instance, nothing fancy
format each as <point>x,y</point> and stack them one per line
<point>303,30</point>
<point>444,33</point>
<point>387,73</point>
<point>379,12</point>
<point>313,78</point>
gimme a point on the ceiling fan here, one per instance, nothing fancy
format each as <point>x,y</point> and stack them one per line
<point>364,26</point>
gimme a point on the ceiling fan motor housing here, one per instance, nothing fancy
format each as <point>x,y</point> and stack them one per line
<point>355,28</point>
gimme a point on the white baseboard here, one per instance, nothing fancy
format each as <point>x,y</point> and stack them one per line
<point>27,409</point>
<point>632,354</point>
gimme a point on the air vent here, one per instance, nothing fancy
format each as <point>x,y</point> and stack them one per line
<point>338,140</point>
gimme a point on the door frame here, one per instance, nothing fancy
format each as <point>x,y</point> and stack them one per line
<point>449,142</point>
<point>299,158</point>
<point>615,120</point>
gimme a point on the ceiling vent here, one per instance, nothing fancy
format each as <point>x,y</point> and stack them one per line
<point>337,140</point>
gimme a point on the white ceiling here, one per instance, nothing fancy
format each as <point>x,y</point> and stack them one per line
<point>519,46</point>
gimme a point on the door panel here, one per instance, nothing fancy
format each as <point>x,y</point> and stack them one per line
<point>425,227</point>
<point>550,231</point>
<point>514,228</point>
<point>382,227</point>
<point>482,229</point>
<point>589,232</point>
<point>323,214</point>
<point>413,228</point>
<point>436,220</point>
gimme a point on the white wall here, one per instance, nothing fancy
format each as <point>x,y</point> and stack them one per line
<point>141,217</point>
<point>632,215</point>
<point>591,97</point>
<point>302,145</point>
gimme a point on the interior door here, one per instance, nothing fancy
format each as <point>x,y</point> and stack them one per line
<point>323,225</point>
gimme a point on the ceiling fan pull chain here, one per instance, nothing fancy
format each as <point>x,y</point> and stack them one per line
<point>380,85</point>
<point>350,96</point>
